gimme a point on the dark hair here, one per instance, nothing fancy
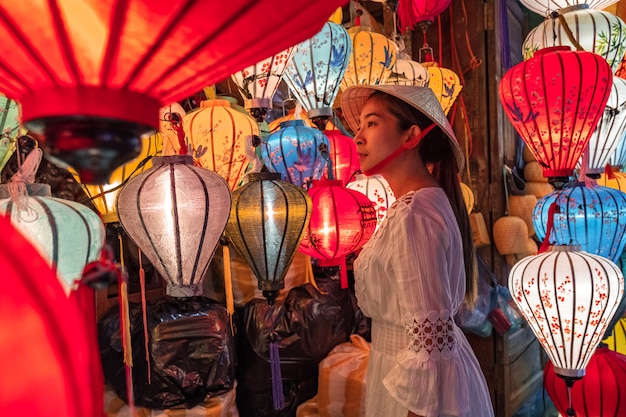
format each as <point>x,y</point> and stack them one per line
<point>436,152</point>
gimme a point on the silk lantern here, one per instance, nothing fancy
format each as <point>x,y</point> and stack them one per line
<point>567,297</point>
<point>175,212</point>
<point>543,7</point>
<point>376,188</point>
<point>600,393</point>
<point>614,179</point>
<point>578,26</point>
<point>617,340</point>
<point>445,84</point>
<point>343,156</point>
<point>420,12</point>
<point>268,218</point>
<point>91,76</point>
<point>296,114</point>
<point>216,137</point>
<point>258,83</point>
<point>294,152</point>
<point>316,70</point>
<point>593,218</point>
<point>554,101</point>
<point>408,72</point>
<point>342,221</point>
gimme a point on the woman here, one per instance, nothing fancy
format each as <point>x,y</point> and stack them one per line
<point>414,273</point>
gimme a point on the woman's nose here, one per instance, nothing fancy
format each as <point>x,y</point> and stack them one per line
<point>358,138</point>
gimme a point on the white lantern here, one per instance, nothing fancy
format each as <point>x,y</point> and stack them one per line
<point>376,188</point>
<point>408,72</point>
<point>543,7</point>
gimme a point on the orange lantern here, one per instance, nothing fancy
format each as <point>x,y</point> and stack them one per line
<point>373,56</point>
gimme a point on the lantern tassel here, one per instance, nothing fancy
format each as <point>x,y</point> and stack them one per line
<point>142,283</point>
<point>125,329</point>
<point>228,284</point>
<point>24,175</point>
<point>277,379</point>
<point>546,240</point>
<point>608,172</point>
<point>343,273</point>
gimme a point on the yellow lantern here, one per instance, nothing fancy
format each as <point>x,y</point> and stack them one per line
<point>444,83</point>
<point>274,125</point>
<point>617,180</point>
<point>337,16</point>
<point>617,340</point>
<point>373,57</point>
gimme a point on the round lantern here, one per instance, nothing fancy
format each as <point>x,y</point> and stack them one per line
<point>294,152</point>
<point>296,114</point>
<point>615,180</point>
<point>594,31</point>
<point>267,220</point>
<point>408,72</point>
<point>176,212</point>
<point>316,70</point>
<point>600,393</point>
<point>567,297</point>
<point>543,7</point>
<point>556,119</point>
<point>216,137</point>
<point>68,235</point>
<point>421,12</point>
<point>372,59</point>
<point>376,188</point>
<point>342,221</point>
<point>593,218</point>
<point>617,340</point>
<point>444,83</point>
<point>343,156</point>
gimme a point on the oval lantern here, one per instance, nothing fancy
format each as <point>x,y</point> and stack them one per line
<point>445,84</point>
<point>373,56</point>
<point>101,70</point>
<point>267,220</point>
<point>216,136</point>
<point>67,234</point>
<point>594,31</point>
<point>556,119</point>
<point>593,218</point>
<point>543,7</point>
<point>343,156</point>
<point>420,12</point>
<point>342,221</point>
<point>376,188</point>
<point>567,297</point>
<point>316,70</point>
<point>175,212</point>
<point>408,72</point>
<point>294,152</point>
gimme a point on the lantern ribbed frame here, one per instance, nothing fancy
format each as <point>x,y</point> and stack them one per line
<point>376,188</point>
<point>554,101</point>
<point>317,68</point>
<point>266,224</point>
<point>617,181</point>
<point>293,151</point>
<point>445,84</point>
<point>567,297</point>
<point>543,7</point>
<point>408,72</point>
<point>67,234</point>
<point>593,218</point>
<point>372,58</point>
<point>343,156</point>
<point>616,341</point>
<point>175,212</point>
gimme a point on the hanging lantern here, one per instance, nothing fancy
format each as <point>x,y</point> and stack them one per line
<point>68,235</point>
<point>408,72</point>
<point>420,12</point>
<point>215,137</point>
<point>593,218</point>
<point>91,76</point>
<point>567,297</point>
<point>444,83</point>
<point>600,393</point>
<point>343,156</point>
<point>268,218</point>
<point>543,7</point>
<point>317,68</point>
<point>258,83</point>
<point>581,28</point>
<point>609,132</point>
<point>617,340</point>
<point>293,114</point>
<point>376,188</point>
<point>373,56</point>
<point>615,180</point>
<point>293,151</point>
<point>556,119</point>
<point>617,160</point>
<point>342,222</point>
<point>176,212</point>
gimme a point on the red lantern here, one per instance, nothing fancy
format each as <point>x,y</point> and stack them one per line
<point>554,100</point>
<point>92,75</point>
<point>343,156</point>
<point>342,221</point>
<point>600,392</point>
<point>422,12</point>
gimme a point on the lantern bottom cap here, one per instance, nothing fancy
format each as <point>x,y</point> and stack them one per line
<point>183,291</point>
<point>569,373</point>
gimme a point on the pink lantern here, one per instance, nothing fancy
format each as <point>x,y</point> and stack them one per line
<point>343,156</point>
<point>422,12</point>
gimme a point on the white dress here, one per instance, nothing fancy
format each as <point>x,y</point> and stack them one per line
<point>410,279</point>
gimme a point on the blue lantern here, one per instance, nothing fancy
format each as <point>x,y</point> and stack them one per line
<point>294,152</point>
<point>316,70</point>
<point>592,217</point>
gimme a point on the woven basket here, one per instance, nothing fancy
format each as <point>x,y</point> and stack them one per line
<point>510,235</point>
<point>539,189</point>
<point>531,249</point>
<point>534,172</point>
<point>522,206</point>
<point>528,155</point>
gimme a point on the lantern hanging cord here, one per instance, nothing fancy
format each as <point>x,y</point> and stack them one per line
<point>24,175</point>
<point>323,148</point>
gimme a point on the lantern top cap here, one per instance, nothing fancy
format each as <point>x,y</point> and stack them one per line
<point>172,159</point>
<point>421,99</point>
<point>549,49</point>
<point>214,102</point>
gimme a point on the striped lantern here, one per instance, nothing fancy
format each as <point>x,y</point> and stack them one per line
<point>316,70</point>
<point>567,297</point>
<point>408,72</point>
<point>175,212</point>
<point>343,157</point>
<point>615,180</point>
<point>595,31</point>
<point>376,188</point>
<point>544,7</point>
<point>372,59</point>
<point>216,137</point>
<point>445,84</point>
<point>67,234</point>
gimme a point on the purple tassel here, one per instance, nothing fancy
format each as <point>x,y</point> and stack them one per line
<point>277,379</point>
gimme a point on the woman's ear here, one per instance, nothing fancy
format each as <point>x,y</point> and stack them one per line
<point>415,135</point>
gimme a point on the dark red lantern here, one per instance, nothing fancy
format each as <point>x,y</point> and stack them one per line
<point>554,100</point>
<point>343,157</point>
<point>421,12</point>
<point>92,75</point>
<point>342,221</point>
<point>600,393</point>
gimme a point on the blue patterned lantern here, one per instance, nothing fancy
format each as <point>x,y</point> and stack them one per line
<point>316,70</point>
<point>593,218</point>
<point>294,152</point>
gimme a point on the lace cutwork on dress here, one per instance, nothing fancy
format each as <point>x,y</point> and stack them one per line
<point>431,336</point>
